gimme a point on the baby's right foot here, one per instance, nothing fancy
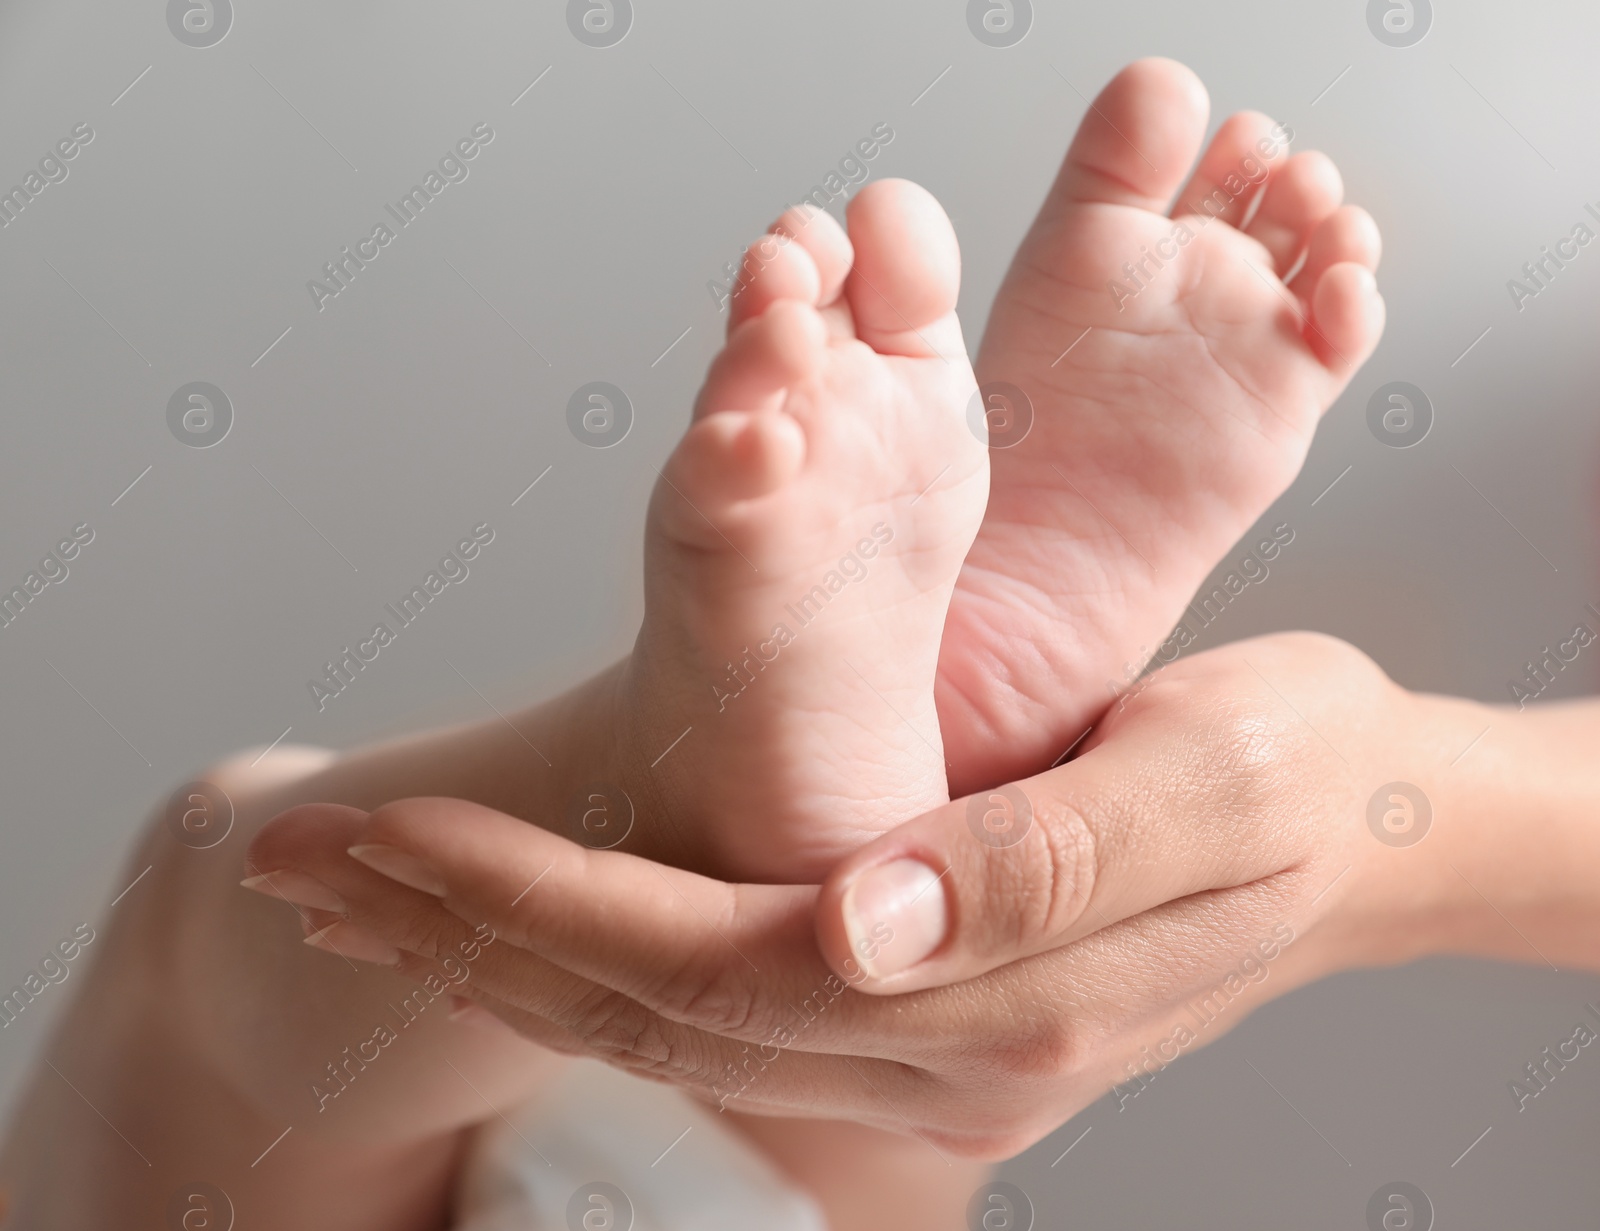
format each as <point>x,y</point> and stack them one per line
<point>802,547</point>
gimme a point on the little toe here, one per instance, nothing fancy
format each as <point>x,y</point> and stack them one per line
<point>1138,139</point>
<point>726,458</point>
<point>1347,235</point>
<point>774,268</point>
<point>1299,195</point>
<point>1234,167</point>
<point>764,357</point>
<point>902,288</point>
<point>1347,316</point>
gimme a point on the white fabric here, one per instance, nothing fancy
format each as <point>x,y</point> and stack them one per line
<point>597,1124</point>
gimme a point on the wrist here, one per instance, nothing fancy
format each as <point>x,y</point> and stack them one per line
<point>1529,806</point>
<point>1510,865</point>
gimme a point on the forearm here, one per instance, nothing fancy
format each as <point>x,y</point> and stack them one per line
<point>1529,809</point>
<point>1510,865</point>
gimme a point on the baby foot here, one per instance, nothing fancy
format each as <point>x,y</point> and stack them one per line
<point>1177,366</point>
<point>802,547</point>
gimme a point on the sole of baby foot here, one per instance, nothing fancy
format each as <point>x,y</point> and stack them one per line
<point>1171,381</point>
<point>802,547</point>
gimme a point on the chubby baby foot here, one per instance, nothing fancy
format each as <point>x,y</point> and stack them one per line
<point>802,547</point>
<point>1177,358</point>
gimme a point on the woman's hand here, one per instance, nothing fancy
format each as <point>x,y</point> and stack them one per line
<point>1215,844</point>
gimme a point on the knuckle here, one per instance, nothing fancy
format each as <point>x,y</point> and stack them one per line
<point>722,1004</point>
<point>624,1033</point>
<point>1249,758</point>
<point>616,1028</point>
<point>1262,744</point>
<point>1321,648</point>
<point>1341,668</point>
<point>1047,1049</point>
<point>1246,744</point>
<point>430,934</point>
<point>1064,880</point>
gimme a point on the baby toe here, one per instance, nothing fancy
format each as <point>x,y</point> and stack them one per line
<point>907,273</point>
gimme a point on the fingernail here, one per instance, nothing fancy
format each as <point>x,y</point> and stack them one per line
<point>399,865</point>
<point>298,888</point>
<point>347,940</point>
<point>894,916</point>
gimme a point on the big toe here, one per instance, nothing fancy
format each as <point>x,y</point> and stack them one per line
<point>1138,139</point>
<point>902,288</point>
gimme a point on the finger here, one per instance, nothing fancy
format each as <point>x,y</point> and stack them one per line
<point>431,983</point>
<point>508,1017</point>
<point>350,992</point>
<point>764,1078</point>
<point>1137,140</point>
<point>1234,168</point>
<point>984,881</point>
<point>576,1017</point>
<point>1298,197</point>
<point>449,958</point>
<point>400,908</point>
<point>734,960</point>
<point>1043,1019</point>
<point>1122,1003</point>
<point>448,955</point>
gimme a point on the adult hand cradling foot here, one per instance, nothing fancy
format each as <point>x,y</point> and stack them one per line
<point>1208,850</point>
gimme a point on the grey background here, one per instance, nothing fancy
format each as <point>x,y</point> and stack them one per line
<point>411,409</point>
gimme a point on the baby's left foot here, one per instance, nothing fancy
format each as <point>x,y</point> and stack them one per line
<point>802,547</point>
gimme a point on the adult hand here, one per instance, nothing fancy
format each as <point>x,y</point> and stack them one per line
<point>1209,849</point>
